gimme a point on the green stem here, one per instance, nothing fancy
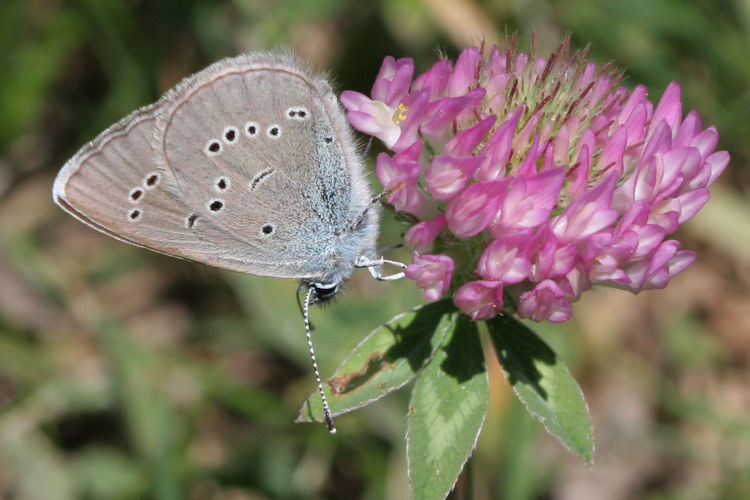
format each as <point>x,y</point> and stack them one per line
<point>464,489</point>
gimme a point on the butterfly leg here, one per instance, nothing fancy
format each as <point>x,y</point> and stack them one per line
<point>374,267</point>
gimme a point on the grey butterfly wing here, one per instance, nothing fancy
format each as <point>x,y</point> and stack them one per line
<point>113,185</point>
<point>259,146</point>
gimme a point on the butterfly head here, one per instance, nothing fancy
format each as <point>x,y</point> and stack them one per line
<point>356,239</point>
<point>323,292</point>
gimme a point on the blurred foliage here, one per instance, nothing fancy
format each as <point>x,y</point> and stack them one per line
<point>128,375</point>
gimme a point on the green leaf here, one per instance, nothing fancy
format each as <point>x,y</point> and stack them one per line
<point>30,459</point>
<point>154,430</point>
<point>108,473</point>
<point>446,412</point>
<point>543,383</point>
<point>384,361</point>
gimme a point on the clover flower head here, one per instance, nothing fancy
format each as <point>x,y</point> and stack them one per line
<point>546,174</point>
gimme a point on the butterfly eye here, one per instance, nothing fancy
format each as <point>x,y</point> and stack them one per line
<point>325,293</point>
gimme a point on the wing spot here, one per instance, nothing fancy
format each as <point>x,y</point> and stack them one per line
<point>274,131</point>
<point>251,129</point>
<point>222,184</point>
<point>190,221</point>
<point>298,113</point>
<point>213,147</point>
<point>135,194</point>
<point>216,205</point>
<point>258,178</point>
<point>267,229</point>
<point>152,180</point>
<point>328,140</point>
<point>230,134</point>
<point>134,215</point>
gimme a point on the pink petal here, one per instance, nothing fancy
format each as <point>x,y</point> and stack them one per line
<point>434,80</point>
<point>669,108</point>
<point>636,124</point>
<point>717,162</point>
<point>587,140</point>
<point>496,63</point>
<point>681,261</point>
<point>466,72</point>
<point>649,237</point>
<point>403,166</point>
<point>636,99</point>
<point>574,284</point>
<point>410,118</point>
<point>393,80</point>
<point>561,143</point>
<point>706,141</point>
<point>671,166</point>
<point>612,154</point>
<point>465,143</point>
<point>587,215</point>
<point>480,300</point>
<point>506,260</point>
<point>666,214</point>
<point>545,302</point>
<point>523,137</point>
<point>578,179</point>
<point>472,210</point>
<point>496,86</point>
<point>691,202</point>
<point>528,166</point>
<point>498,149</point>
<point>399,175</point>
<point>421,235</point>
<point>528,201</point>
<point>432,274</point>
<point>688,129</point>
<point>660,141</point>
<point>551,258</point>
<point>447,175</point>
<point>695,172</point>
<point>651,267</point>
<point>371,117</point>
<point>441,114</point>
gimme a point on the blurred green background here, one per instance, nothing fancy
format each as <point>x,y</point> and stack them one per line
<point>128,375</point>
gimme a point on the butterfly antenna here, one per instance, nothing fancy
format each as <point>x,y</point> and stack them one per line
<point>324,401</point>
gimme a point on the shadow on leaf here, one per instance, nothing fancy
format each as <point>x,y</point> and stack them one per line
<point>415,339</point>
<point>464,357</point>
<point>519,350</point>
